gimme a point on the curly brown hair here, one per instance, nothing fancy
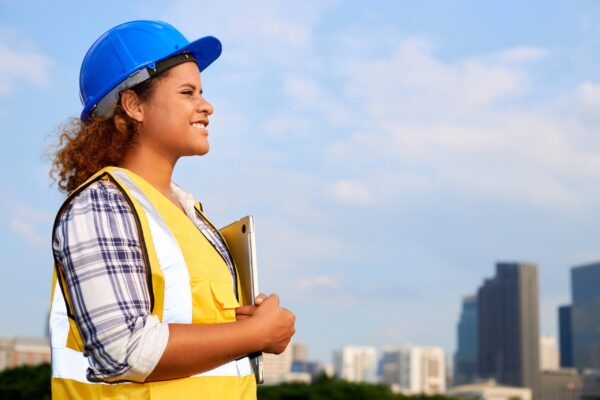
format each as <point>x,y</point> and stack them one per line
<point>84,147</point>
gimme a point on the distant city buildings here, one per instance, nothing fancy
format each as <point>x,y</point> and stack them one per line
<point>20,351</point>
<point>508,320</point>
<point>414,369</point>
<point>465,358</point>
<point>355,363</point>
<point>292,365</point>
<point>490,390</point>
<point>549,359</point>
<point>499,355</point>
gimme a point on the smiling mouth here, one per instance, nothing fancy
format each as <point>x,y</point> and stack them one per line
<point>199,125</point>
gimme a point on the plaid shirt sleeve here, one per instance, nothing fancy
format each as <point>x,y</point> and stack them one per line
<point>96,242</point>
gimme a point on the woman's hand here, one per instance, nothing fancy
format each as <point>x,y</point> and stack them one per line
<point>245,312</point>
<point>276,324</point>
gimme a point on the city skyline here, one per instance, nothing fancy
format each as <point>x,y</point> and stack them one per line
<point>397,151</point>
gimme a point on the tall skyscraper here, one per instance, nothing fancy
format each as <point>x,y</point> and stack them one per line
<point>465,359</point>
<point>565,336</point>
<point>509,326</point>
<point>585,316</point>
<point>355,363</point>
<point>415,369</point>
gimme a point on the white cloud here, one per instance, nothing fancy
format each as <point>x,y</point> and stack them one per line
<point>447,126</point>
<point>516,55</point>
<point>288,126</point>
<point>318,281</point>
<point>30,223</point>
<point>306,95</point>
<point>29,232</point>
<point>32,214</point>
<point>588,95</point>
<point>351,192</point>
<point>254,34</point>
<point>21,66</point>
<point>413,82</point>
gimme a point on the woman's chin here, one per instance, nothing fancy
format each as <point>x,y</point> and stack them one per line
<point>202,150</point>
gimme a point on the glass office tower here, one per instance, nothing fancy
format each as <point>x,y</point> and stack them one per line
<point>566,338</point>
<point>585,316</point>
<point>509,326</point>
<point>465,359</point>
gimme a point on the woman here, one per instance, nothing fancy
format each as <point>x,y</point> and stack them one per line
<point>144,290</point>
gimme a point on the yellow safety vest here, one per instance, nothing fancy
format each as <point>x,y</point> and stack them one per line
<point>188,281</point>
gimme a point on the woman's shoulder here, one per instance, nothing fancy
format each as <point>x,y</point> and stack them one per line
<point>100,191</point>
<point>100,196</point>
<point>98,210</point>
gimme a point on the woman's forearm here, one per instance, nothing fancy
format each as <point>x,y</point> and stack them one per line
<point>195,348</point>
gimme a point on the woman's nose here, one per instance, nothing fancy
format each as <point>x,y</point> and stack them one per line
<point>205,106</point>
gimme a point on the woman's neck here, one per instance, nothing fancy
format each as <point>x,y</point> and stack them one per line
<point>154,168</point>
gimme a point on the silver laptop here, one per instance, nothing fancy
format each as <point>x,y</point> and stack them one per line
<point>239,236</point>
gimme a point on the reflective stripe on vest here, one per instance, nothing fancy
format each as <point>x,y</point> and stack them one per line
<point>178,295</point>
<point>70,364</point>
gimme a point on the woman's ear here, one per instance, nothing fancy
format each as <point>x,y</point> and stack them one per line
<point>132,105</point>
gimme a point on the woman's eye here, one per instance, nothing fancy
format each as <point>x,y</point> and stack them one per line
<point>188,92</point>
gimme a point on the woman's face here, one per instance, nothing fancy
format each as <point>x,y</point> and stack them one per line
<point>175,116</point>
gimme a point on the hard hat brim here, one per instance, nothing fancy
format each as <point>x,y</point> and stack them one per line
<point>205,50</point>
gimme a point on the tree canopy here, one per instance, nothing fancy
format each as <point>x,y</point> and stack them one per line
<point>25,383</point>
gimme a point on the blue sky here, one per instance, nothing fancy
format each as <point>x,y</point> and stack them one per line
<point>391,154</point>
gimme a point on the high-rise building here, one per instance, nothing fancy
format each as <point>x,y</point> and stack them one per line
<point>508,318</point>
<point>299,352</point>
<point>415,369</point>
<point>465,359</point>
<point>277,367</point>
<point>355,363</point>
<point>301,363</point>
<point>585,316</point>
<point>565,337</point>
<point>548,354</point>
<point>389,365</point>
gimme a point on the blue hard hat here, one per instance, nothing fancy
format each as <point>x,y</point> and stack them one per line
<point>128,54</point>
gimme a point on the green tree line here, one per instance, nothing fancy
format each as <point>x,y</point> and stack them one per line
<point>325,388</point>
<point>25,383</point>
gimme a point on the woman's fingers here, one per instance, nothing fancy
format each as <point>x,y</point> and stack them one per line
<point>245,310</point>
<point>259,299</point>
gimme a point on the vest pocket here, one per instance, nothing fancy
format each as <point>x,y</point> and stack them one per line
<point>213,301</point>
<point>224,296</point>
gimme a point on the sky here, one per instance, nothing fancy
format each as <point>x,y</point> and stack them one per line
<point>391,152</point>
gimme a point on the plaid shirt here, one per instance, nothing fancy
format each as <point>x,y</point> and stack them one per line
<point>97,245</point>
